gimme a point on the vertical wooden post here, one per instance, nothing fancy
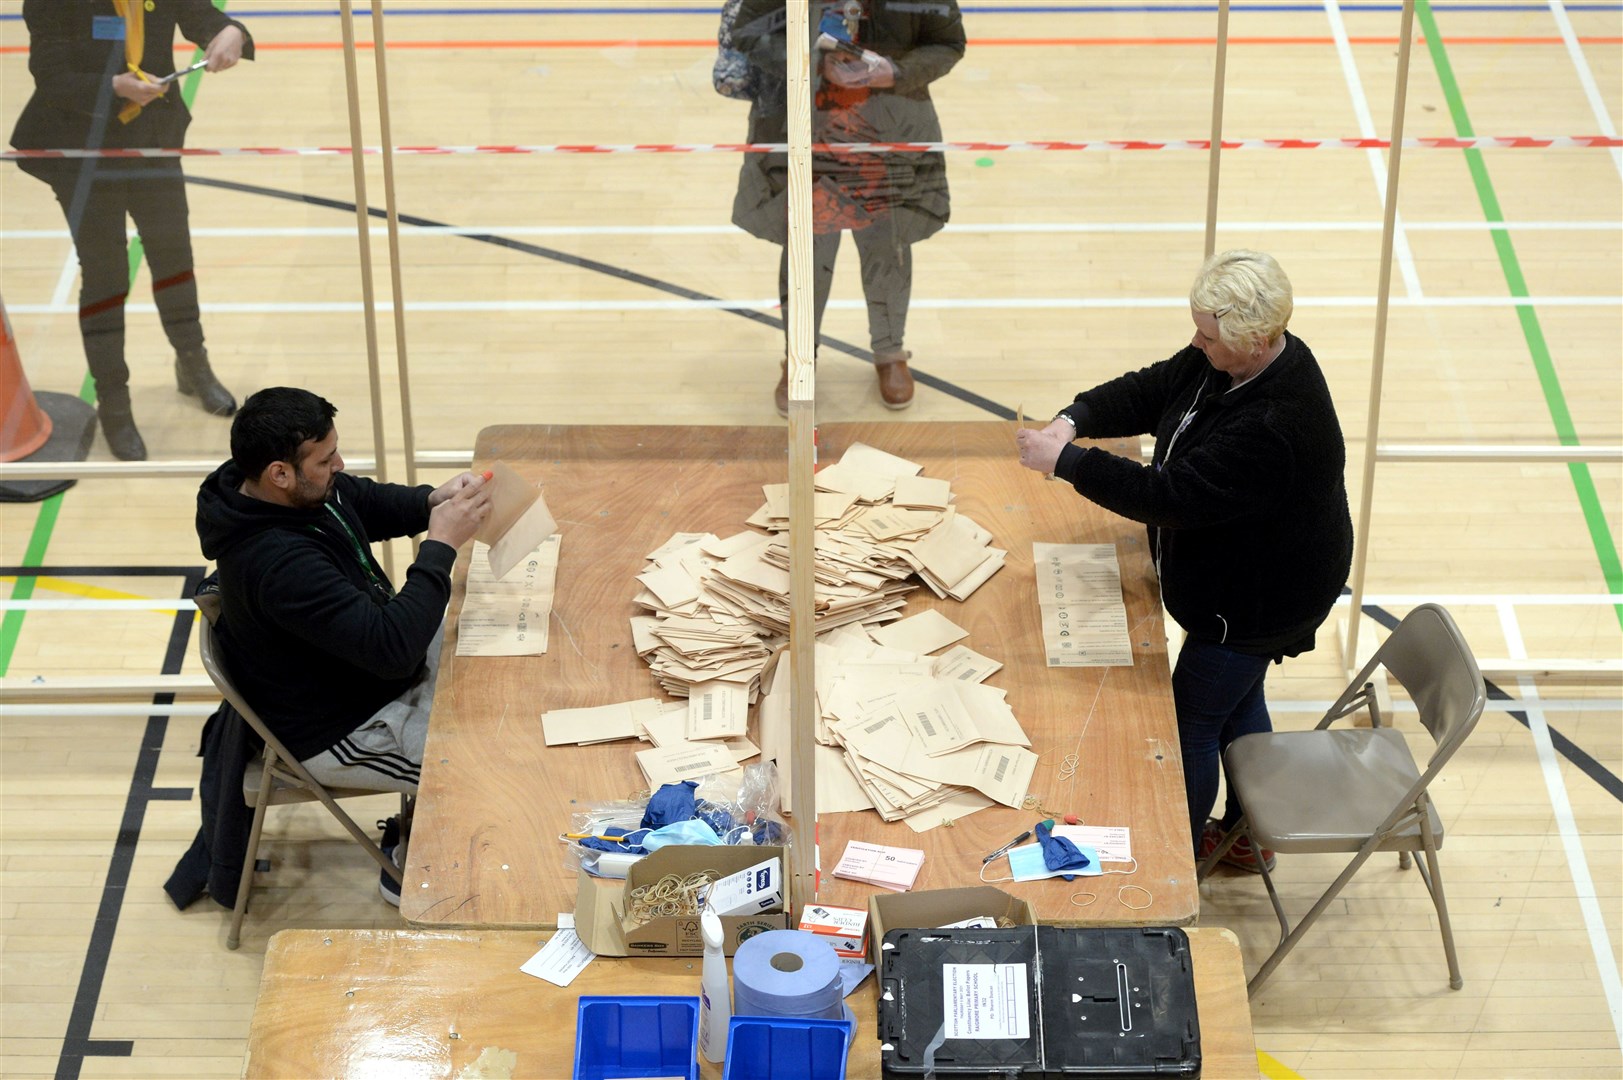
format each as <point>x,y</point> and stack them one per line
<point>802,452</point>
<point>1383,295</point>
<point>357,160</point>
<point>1214,156</point>
<point>380,58</point>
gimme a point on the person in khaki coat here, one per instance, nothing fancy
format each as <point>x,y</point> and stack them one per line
<point>875,87</point>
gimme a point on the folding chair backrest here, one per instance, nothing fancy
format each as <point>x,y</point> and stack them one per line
<point>214,664</point>
<point>1429,657</point>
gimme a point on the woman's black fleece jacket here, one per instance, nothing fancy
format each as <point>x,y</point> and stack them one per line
<point>1246,508</point>
<point>312,643</point>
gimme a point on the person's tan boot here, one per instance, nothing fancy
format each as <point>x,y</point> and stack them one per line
<point>895,381</point>
<point>780,396</point>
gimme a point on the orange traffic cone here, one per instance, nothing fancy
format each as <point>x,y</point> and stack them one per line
<point>37,427</point>
<point>24,427</point>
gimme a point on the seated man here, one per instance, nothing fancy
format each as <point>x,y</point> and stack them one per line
<point>340,665</point>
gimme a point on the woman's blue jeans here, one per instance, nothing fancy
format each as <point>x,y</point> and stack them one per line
<point>1217,693</point>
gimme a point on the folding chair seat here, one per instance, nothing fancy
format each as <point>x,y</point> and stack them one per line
<point>276,778</point>
<point>1359,790</point>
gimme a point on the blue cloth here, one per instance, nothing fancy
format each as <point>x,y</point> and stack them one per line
<point>670,804</point>
<point>1217,694</point>
<point>1058,852</point>
<point>717,817</point>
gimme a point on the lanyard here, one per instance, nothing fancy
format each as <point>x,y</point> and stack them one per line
<point>378,583</point>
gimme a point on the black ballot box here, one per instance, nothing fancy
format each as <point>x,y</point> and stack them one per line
<point>1038,1001</point>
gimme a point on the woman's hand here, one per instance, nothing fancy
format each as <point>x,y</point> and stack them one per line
<point>131,87</point>
<point>224,51</point>
<point>1039,450</point>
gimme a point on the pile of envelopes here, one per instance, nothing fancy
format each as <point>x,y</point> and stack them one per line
<point>913,736</point>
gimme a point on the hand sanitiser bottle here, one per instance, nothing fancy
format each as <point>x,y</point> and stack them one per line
<point>715,1000</point>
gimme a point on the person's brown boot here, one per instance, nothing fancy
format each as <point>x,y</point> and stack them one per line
<point>780,396</point>
<point>895,381</point>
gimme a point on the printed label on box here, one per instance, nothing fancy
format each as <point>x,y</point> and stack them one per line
<point>985,1001</point>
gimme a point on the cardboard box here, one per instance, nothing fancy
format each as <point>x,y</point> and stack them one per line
<point>844,928</point>
<point>600,905</point>
<point>759,888</point>
<point>938,907</point>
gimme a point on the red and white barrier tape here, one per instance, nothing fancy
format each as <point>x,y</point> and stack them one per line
<point>1479,142</point>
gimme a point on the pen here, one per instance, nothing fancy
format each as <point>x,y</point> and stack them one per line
<point>1023,836</point>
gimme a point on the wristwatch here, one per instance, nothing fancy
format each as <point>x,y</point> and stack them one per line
<point>1065,416</point>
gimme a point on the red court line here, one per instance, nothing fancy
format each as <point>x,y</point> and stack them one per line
<point>709,43</point>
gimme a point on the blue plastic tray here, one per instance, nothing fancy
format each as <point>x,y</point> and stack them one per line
<point>621,1037</point>
<point>781,1048</point>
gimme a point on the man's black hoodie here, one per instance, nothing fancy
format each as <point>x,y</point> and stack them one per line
<point>314,639</point>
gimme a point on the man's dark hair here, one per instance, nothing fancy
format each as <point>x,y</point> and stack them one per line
<point>273,423</point>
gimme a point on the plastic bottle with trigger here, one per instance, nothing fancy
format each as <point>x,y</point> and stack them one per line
<point>715,999</point>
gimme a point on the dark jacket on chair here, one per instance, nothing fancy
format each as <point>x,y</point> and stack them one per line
<point>213,863</point>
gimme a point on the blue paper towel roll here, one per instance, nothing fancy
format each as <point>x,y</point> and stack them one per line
<point>787,973</point>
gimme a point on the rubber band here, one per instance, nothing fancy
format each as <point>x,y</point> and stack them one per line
<point>1122,898</point>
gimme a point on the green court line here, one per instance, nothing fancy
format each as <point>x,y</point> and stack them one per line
<point>45,524</point>
<point>1600,534</point>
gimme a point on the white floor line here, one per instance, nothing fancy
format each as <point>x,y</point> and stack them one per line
<point>1377,161</point>
<point>1005,303</point>
<point>1494,599</point>
<point>1573,705</point>
<point>1033,227</point>
<point>93,604</point>
<point>1577,862</point>
<point>1586,78</point>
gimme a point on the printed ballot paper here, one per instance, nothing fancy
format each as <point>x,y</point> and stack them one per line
<point>1084,618</point>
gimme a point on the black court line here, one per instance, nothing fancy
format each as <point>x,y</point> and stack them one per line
<point>1568,749</point>
<point>619,273</point>
<point>76,1042</point>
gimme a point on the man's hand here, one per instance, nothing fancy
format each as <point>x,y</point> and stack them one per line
<point>1039,450</point>
<point>224,51</point>
<point>458,514</point>
<point>452,486</point>
<point>131,87</point>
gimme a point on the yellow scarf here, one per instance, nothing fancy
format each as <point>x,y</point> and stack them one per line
<point>135,40</point>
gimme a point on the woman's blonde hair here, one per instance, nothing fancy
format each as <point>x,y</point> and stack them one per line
<point>1248,294</point>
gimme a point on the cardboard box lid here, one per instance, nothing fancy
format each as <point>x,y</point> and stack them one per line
<point>929,908</point>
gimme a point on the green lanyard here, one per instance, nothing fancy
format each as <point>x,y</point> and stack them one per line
<point>380,584</point>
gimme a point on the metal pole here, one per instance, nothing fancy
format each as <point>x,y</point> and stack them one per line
<point>1214,156</point>
<point>802,452</point>
<point>1383,296</point>
<point>364,235</point>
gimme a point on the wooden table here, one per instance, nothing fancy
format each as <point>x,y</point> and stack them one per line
<point>433,1003</point>
<point>494,797</point>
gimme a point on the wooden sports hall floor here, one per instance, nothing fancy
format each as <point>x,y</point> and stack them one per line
<point>580,298</point>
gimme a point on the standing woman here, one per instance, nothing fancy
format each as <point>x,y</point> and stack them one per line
<point>1245,502</point>
<point>97,66</point>
<point>873,87</point>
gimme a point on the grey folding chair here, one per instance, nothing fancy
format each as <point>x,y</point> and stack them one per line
<point>278,779</point>
<point>1359,790</point>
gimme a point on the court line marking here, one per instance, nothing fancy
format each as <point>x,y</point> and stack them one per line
<point>1377,161</point>
<point>1538,348</point>
<point>1011,303</point>
<point>1035,227</point>
<point>1577,863</point>
<point>1586,78</point>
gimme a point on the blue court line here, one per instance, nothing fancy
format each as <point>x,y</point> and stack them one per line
<point>968,9</point>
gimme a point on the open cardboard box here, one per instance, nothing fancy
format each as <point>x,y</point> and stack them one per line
<point>600,904</point>
<point>931,908</point>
